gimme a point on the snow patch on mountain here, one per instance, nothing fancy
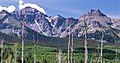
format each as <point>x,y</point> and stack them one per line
<point>40,28</point>
<point>49,19</point>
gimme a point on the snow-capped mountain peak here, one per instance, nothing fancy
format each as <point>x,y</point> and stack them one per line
<point>22,5</point>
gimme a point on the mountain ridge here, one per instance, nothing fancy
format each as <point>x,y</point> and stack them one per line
<point>54,26</point>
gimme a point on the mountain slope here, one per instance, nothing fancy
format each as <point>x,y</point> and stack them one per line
<point>97,23</point>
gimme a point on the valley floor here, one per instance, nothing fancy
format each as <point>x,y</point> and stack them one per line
<point>45,54</point>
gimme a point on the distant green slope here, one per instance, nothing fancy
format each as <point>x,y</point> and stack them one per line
<point>51,41</point>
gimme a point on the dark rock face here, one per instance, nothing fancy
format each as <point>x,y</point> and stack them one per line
<point>9,25</point>
<point>69,23</point>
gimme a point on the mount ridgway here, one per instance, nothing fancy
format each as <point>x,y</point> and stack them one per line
<point>59,26</point>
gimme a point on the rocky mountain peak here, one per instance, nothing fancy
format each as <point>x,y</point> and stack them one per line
<point>57,17</point>
<point>93,12</point>
<point>28,14</point>
<point>94,19</point>
<point>28,9</point>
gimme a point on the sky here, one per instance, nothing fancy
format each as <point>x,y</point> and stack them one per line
<point>71,8</point>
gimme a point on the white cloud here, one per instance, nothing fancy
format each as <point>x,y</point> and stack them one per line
<point>10,8</point>
<point>22,5</point>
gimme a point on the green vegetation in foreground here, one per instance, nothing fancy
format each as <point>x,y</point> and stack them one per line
<point>12,54</point>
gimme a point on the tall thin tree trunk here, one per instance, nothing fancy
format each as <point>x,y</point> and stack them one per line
<point>85,44</point>
<point>35,53</point>
<point>85,41</point>
<point>34,49</point>
<point>69,48</point>
<point>72,49</point>
<point>101,54</point>
<point>23,42</point>
<point>116,56</point>
<point>98,51</point>
<point>15,52</point>
<point>2,42</point>
<point>59,56</point>
<point>116,59</point>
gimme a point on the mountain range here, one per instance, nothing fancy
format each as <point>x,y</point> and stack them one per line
<point>59,26</point>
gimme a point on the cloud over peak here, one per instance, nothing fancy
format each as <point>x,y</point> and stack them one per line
<point>10,8</point>
<point>22,5</point>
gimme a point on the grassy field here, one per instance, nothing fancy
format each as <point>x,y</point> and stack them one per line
<point>50,54</point>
